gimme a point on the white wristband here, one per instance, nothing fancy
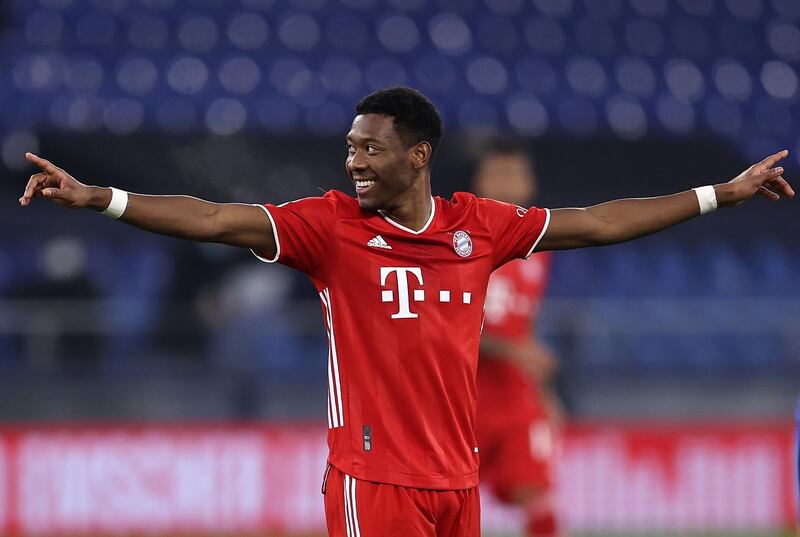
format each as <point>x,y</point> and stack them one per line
<point>119,202</point>
<point>707,198</point>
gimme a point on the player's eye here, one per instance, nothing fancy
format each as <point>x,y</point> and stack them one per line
<point>372,148</point>
<point>351,150</point>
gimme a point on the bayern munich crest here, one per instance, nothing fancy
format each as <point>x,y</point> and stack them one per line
<point>462,243</point>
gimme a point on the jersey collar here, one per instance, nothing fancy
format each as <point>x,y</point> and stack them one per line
<point>408,229</point>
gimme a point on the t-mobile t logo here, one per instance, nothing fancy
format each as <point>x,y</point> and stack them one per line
<point>403,295</point>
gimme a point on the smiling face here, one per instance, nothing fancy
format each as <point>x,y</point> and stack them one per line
<point>380,165</point>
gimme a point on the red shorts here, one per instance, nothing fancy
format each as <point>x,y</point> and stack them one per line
<point>520,457</point>
<point>355,508</point>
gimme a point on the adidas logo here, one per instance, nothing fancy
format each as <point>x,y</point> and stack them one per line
<point>378,242</point>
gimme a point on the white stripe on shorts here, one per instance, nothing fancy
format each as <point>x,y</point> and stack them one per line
<point>350,509</point>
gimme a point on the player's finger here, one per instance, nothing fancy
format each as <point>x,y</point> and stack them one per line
<point>781,186</point>
<point>35,182</point>
<point>770,161</point>
<point>34,185</point>
<point>52,193</point>
<point>34,179</point>
<point>44,164</point>
<point>767,193</point>
<point>769,175</point>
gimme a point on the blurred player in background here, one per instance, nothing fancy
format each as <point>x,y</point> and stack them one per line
<point>519,414</point>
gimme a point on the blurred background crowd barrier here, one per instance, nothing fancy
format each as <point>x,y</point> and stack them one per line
<point>619,478</point>
<point>249,100</point>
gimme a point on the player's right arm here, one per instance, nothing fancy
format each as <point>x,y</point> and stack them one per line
<point>183,217</point>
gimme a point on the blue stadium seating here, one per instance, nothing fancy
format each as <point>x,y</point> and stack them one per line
<point>544,67</point>
<point>681,309</point>
<point>576,68</point>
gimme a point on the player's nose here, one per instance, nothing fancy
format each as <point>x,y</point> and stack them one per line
<point>357,162</point>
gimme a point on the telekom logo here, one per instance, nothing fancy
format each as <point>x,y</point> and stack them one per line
<point>405,296</point>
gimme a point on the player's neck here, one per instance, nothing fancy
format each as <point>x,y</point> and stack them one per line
<point>414,210</point>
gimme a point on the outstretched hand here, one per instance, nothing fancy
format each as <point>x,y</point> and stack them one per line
<point>55,184</point>
<point>761,179</point>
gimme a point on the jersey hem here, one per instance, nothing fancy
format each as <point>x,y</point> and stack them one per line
<point>388,477</point>
<point>274,234</point>
<point>541,234</point>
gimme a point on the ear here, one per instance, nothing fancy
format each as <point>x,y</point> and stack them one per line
<point>421,155</point>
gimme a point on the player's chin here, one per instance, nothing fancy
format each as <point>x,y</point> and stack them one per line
<point>370,200</point>
<point>367,202</point>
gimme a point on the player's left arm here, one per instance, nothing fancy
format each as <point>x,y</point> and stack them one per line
<point>627,219</point>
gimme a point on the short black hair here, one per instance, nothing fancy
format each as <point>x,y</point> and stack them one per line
<point>416,119</point>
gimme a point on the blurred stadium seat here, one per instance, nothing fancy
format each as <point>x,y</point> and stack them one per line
<point>560,67</point>
<point>648,310</point>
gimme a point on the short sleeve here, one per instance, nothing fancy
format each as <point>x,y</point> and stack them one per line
<point>303,232</point>
<point>515,231</point>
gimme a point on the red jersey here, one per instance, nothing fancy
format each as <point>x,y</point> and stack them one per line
<point>403,312</point>
<point>507,394</point>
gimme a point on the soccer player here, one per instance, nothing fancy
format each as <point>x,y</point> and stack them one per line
<point>518,417</point>
<point>401,277</point>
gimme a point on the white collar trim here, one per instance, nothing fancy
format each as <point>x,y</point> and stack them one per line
<point>408,229</point>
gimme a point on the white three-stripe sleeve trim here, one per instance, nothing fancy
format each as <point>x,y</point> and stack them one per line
<point>334,382</point>
<point>541,234</point>
<point>274,234</point>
